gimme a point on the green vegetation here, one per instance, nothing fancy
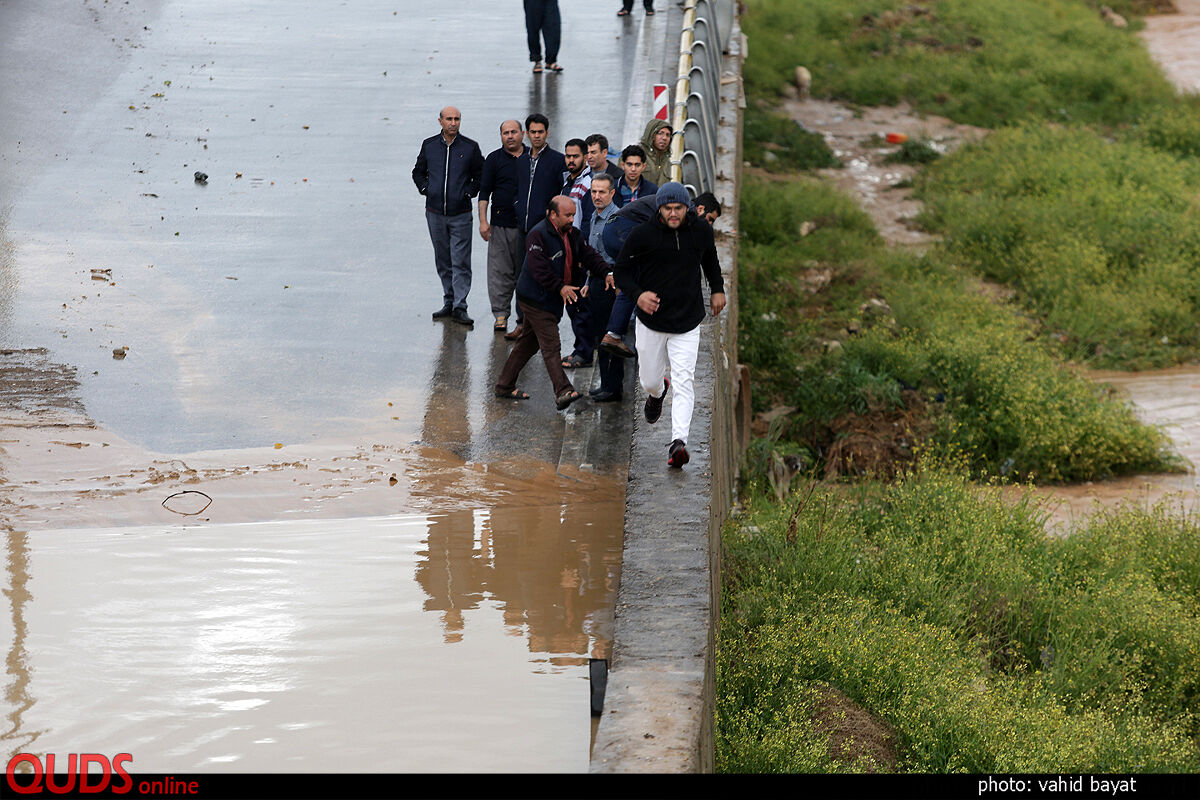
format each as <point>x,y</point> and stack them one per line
<point>909,614</point>
<point>1174,128</point>
<point>778,144</point>
<point>975,61</point>
<point>928,349</point>
<point>1100,238</point>
<point>914,151</point>
<point>983,645</point>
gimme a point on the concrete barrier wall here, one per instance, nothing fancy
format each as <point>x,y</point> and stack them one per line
<point>658,710</point>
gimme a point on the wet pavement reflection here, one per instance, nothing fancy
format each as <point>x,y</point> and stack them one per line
<point>396,572</point>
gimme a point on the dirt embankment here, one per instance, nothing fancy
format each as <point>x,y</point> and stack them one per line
<point>858,138</point>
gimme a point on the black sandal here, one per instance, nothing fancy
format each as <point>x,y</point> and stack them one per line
<point>515,394</point>
<point>554,67</point>
<point>622,13</point>
<point>575,361</point>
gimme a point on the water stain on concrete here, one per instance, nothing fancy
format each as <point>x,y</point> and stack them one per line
<point>389,599</point>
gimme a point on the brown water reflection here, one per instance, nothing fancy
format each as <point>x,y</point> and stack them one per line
<point>448,642</point>
<point>552,571</point>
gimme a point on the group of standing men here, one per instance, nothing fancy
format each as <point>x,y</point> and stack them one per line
<point>571,230</point>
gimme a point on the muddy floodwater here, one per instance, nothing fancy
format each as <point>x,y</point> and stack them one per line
<point>1174,41</point>
<point>1169,399</point>
<point>438,642</point>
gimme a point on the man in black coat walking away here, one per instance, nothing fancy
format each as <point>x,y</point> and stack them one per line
<point>659,266</point>
<point>447,173</point>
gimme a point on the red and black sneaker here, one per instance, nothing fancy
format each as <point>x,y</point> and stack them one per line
<point>654,404</point>
<point>678,455</point>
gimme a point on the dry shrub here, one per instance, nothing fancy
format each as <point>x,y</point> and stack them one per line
<point>857,738</point>
<point>879,443</point>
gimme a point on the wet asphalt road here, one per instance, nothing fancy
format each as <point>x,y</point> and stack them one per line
<point>288,299</point>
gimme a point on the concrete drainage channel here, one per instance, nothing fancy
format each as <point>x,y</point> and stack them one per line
<point>658,705</point>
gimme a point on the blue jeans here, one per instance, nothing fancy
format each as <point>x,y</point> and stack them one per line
<point>542,17</point>
<point>451,237</point>
<point>622,310</point>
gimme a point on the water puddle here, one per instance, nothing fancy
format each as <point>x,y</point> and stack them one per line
<point>440,642</point>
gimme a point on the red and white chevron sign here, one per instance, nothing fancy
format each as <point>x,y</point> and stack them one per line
<point>660,101</point>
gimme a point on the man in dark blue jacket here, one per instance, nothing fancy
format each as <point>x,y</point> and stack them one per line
<point>539,177</point>
<point>556,262</point>
<point>539,174</point>
<point>447,172</point>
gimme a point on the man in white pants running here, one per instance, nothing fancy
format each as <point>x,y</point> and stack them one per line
<point>660,266</point>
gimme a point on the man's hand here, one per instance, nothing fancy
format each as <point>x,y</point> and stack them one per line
<point>717,302</point>
<point>648,302</point>
<point>583,292</point>
<point>485,230</point>
<point>569,293</point>
<point>609,282</point>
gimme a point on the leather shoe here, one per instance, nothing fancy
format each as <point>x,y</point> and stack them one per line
<point>654,404</point>
<point>460,316</point>
<point>444,312</point>
<point>515,333</point>
<point>615,346</point>
<point>606,397</point>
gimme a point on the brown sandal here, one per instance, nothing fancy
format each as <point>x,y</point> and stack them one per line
<point>566,398</point>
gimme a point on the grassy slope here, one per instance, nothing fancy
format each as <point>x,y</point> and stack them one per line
<point>932,604</point>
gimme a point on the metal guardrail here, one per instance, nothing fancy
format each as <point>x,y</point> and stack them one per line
<point>707,26</point>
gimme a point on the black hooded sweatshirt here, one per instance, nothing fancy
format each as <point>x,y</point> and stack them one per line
<point>668,262</point>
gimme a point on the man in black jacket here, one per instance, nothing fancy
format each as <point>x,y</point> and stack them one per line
<point>506,244</point>
<point>447,172</point>
<point>556,261</point>
<point>659,267</point>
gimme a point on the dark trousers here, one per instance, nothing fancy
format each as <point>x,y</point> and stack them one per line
<point>451,237</point>
<point>538,332</point>
<point>622,310</point>
<point>542,20</point>
<point>581,326</point>
<point>628,4</point>
<point>612,369</point>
